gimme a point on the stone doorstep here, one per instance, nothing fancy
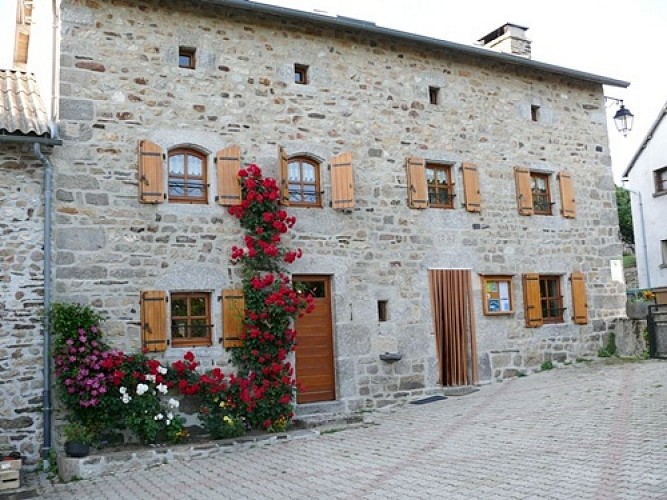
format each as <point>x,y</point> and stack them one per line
<point>104,464</point>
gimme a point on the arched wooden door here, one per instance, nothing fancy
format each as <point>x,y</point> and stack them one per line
<point>314,343</point>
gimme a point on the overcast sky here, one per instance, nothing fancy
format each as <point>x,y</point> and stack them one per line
<point>621,39</point>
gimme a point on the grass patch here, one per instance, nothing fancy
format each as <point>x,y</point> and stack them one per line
<point>608,350</point>
<point>629,261</point>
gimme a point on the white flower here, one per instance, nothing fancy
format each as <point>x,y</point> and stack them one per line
<point>126,398</point>
<point>159,416</point>
<point>170,416</point>
<point>167,421</point>
<point>173,403</point>
<point>123,390</point>
<point>162,370</point>
<point>162,388</point>
<point>150,378</point>
<point>141,388</point>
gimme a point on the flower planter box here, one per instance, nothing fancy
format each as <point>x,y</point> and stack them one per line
<point>637,310</point>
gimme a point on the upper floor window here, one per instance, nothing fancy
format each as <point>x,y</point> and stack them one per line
<point>186,57</point>
<point>187,176</point>
<point>440,185</point>
<point>190,319</point>
<point>301,74</point>
<point>434,95</point>
<point>660,177</point>
<point>539,185</point>
<point>304,182</point>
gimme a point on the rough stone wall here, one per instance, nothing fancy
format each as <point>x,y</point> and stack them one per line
<point>21,301</point>
<point>120,82</point>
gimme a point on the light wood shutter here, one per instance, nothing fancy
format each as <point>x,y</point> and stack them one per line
<point>233,316</point>
<point>151,175</point>
<point>524,195</point>
<point>579,302</point>
<point>283,176</point>
<point>154,320</point>
<point>417,189</point>
<point>532,302</point>
<point>228,161</point>
<point>471,187</point>
<point>342,181</point>
<point>567,195</point>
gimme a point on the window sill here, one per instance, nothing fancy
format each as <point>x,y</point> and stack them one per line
<point>660,193</point>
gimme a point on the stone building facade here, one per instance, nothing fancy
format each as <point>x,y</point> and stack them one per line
<point>205,77</point>
<point>152,95</point>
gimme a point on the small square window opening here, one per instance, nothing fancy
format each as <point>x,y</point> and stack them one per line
<point>535,113</point>
<point>434,95</point>
<point>186,57</point>
<point>301,74</point>
<point>663,249</point>
<point>660,176</point>
<point>382,310</point>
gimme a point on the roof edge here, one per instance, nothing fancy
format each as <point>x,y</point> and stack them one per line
<point>644,143</point>
<point>370,27</point>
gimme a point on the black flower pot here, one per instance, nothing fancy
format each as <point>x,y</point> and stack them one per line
<point>77,450</point>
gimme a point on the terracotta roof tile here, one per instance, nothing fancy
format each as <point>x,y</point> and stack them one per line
<point>22,111</point>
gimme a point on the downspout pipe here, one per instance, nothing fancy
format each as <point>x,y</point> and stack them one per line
<point>641,218</point>
<point>46,397</point>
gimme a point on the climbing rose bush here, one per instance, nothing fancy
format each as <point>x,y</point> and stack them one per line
<point>271,303</point>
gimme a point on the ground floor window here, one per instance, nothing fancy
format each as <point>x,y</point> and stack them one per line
<point>551,299</point>
<point>190,319</point>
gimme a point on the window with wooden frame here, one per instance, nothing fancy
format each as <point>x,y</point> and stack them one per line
<point>539,186</point>
<point>187,176</point>
<point>543,301</point>
<point>301,74</point>
<point>663,252</point>
<point>440,185</point>
<point>186,57</point>
<point>551,299</point>
<point>303,180</point>
<point>497,295</point>
<point>190,319</point>
<point>660,177</point>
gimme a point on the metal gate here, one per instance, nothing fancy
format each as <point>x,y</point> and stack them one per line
<point>657,331</point>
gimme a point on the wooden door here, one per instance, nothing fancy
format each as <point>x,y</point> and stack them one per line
<point>314,344</point>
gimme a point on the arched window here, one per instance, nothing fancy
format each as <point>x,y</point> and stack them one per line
<point>187,176</point>
<point>304,182</point>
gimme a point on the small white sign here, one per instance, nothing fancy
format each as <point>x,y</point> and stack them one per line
<point>617,270</point>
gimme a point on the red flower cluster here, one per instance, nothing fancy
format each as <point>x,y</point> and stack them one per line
<point>266,383</point>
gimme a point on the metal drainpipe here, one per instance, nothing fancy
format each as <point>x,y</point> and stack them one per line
<point>641,217</point>
<point>46,404</point>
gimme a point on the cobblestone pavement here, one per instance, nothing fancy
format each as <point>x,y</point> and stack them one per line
<point>594,431</point>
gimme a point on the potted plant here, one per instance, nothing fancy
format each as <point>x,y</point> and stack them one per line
<point>78,439</point>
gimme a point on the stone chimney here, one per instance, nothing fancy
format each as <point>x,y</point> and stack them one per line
<point>509,38</point>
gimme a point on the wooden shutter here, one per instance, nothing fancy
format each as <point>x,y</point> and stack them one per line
<point>228,161</point>
<point>579,302</point>
<point>532,302</point>
<point>233,316</point>
<point>342,181</point>
<point>283,176</point>
<point>154,320</point>
<point>417,190</point>
<point>471,187</point>
<point>567,195</point>
<point>151,175</point>
<point>524,194</point>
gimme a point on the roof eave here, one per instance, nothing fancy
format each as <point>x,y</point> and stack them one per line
<point>369,27</point>
<point>646,140</point>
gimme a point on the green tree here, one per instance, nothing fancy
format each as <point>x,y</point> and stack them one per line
<point>624,214</point>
